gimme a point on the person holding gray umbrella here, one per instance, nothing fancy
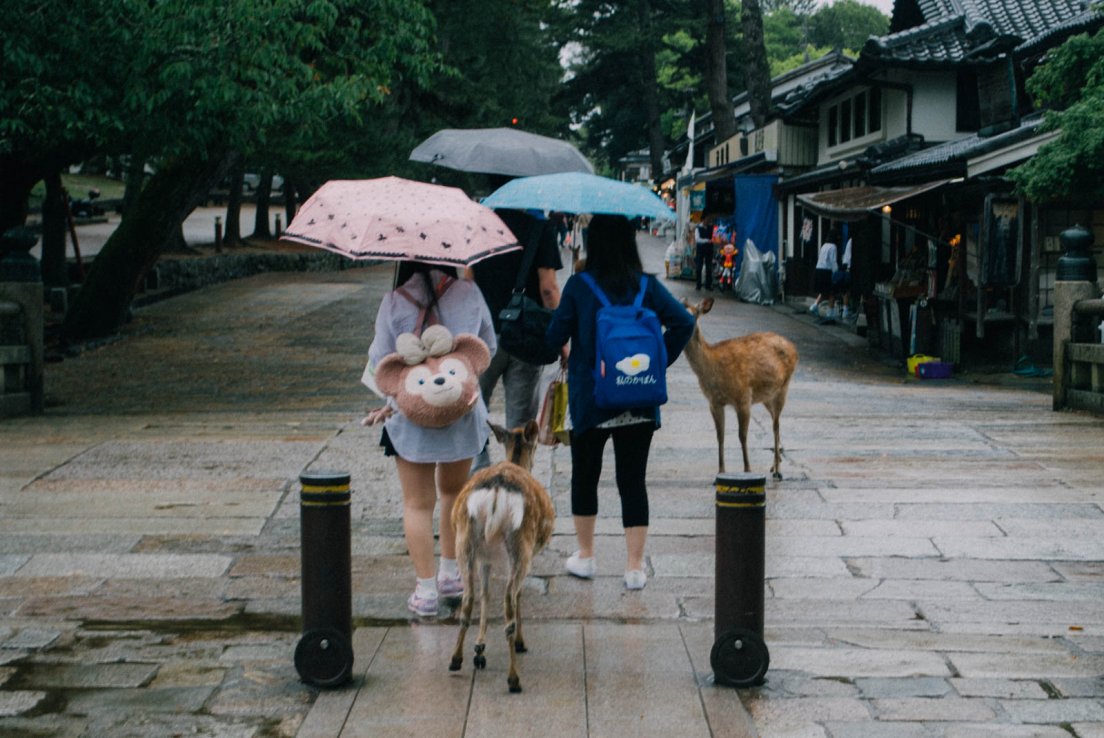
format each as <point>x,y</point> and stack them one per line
<point>506,153</point>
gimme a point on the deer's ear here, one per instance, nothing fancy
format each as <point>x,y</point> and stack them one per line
<point>707,304</point>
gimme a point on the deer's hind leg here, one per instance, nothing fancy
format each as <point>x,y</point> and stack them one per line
<point>775,409</point>
<point>718,413</point>
<point>479,660</point>
<point>467,566</point>
<point>519,561</point>
<point>743,419</point>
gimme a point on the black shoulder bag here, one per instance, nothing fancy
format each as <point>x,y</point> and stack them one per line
<point>523,322</point>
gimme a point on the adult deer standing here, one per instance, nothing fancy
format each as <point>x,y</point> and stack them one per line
<point>741,372</point>
<point>502,507</point>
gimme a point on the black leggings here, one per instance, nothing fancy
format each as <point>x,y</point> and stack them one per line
<point>630,452</point>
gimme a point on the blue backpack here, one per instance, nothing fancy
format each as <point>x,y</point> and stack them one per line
<point>630,367</point>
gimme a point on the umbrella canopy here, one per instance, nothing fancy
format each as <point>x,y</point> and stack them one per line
<point>500,151</point>
<point>575,192</point>
<point>395,219</point>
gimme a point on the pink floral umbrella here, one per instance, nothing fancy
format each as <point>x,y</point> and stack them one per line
<point>395,219</point>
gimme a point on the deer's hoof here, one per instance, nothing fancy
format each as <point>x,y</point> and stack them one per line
<point>519,647</point>
<point>777,475</point>
<point>454,665</point>
<point>515,685</point>
<point>480,661</point>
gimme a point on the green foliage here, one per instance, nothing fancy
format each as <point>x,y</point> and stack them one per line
<point>198,78</point>
<point>1071,81</point>
<point>846,24</point>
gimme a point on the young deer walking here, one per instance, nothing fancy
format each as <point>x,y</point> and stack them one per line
<point>501,507</point>
<point>741,372</point>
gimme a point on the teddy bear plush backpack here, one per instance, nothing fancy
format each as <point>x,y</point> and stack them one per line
<point>433,375</point>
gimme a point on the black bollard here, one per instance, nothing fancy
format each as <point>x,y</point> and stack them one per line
<point>739,657</point>
<point>324,655</point>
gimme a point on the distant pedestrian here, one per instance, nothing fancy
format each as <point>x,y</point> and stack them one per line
<point>826,266</point>
<point>703,253</point>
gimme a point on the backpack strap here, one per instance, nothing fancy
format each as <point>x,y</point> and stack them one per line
<point>638,302</point>
<point>425,320</point>
<point>529,255</point>
<point>594,286</point>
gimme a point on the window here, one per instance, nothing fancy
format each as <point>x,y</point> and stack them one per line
<point>855,117</point>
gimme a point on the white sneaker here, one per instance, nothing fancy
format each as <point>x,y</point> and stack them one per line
<point>577,566</point>
<point>635,579</point>
<point>814,309</point>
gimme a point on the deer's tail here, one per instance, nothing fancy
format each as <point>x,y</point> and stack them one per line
<point>498,510</point>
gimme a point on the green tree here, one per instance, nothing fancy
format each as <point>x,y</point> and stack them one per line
<point>1070,83</point>
<point>756,67</point>
<point>846,24</point>
<point>613,88</point>
<point>207,81</point>
<point>716,70</point>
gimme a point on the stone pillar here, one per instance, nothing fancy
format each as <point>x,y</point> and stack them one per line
<point>1075,280</point>
<point>21,294</point>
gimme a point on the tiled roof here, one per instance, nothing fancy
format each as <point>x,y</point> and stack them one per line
<point>958,30</point>
<point>955,152</point>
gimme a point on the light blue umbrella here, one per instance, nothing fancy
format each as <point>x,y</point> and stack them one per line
<point>578,192</point>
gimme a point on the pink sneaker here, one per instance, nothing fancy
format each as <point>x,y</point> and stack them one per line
<point>450,587</point>
<point>425,607</point>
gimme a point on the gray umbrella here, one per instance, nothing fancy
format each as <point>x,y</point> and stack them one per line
<point>500,151</point>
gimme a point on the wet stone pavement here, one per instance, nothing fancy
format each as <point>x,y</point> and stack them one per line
<point>934,555</point>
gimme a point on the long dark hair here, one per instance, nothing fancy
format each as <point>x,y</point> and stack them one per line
<point>612,257</point>
<point>408,269</point>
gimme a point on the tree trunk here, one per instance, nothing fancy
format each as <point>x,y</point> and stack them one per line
<point>18,178</point>
<point>649,89</point>
<point>757,70</point>
<point>716,72</point>
<point>231,233</point>
<point>291,201</point>
<point>103,302</point>
<point>261,228</point>
<point>135,178</point>
<point>55,232</point>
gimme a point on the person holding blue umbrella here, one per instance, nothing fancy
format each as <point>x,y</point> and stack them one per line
<point>613,261</point>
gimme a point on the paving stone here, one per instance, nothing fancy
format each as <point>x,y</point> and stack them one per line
<point>1054,711</point>
<point>32,638</point>
<point>1014,611</point>
<point>1004,688</point>
<point>933,709</point>
<point>1026,666</point>
<point>1050,592</point>
<point>134,566</point>
<point>96,676</point>
<point>1090,687</point>
<point>1088,730</point>
<point>18,543</point>
<point>921,528</point>
<point>969,570</point>
<point>1005,730</point>
<point>899,687</point>
<point>1035,549</point>
<point>117,608</point>
<point>877,730</point>
<point>95,702</point>
<point>10,563</point>
<point>19,702</point>
<point>853,663</point>
<point>947,642</point>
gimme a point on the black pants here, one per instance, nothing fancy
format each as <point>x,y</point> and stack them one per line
<point>631,444</point>
<point>703,256</point>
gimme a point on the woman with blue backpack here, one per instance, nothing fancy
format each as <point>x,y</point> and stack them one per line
<point>625,329</point>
